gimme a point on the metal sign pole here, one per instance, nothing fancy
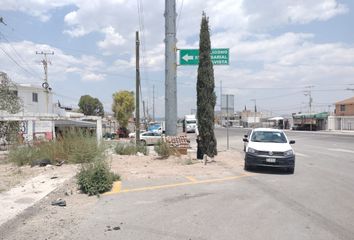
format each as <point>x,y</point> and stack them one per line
<point>227,120</point>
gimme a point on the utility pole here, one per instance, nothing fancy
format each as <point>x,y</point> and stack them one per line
<point>137,90</point>
<point>227,119</point>
<point>147,112</point>
<point>153,103</point>
<point>45,84</point>
<point>170,68</point>
<point>220,103</point>
<point>255,110</point>
<point>309,93</point>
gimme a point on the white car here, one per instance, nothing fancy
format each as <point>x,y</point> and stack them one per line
<point>132,134</point>
<point>150,138</point>
<point>267,147</point>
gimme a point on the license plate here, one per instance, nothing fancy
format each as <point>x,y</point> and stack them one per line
<point>271,160</point>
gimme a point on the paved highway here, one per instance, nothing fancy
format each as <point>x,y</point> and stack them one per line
<point>314,203</point>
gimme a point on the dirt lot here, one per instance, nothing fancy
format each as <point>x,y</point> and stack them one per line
<point>12,175</point>
<point>133,167</point>
<point>43,221</point>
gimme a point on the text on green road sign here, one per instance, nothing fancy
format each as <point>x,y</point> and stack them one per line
<point>219,56</point>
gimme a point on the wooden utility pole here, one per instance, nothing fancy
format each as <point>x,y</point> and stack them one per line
<point>137,91</point>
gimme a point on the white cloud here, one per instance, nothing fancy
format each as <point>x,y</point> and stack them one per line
<point>112,39</point>
<point>28,68</point>
<point>89,76</point>
<point>36,8</point>
<point>270,14</point>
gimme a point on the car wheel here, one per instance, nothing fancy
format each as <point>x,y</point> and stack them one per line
<point>291,170</point>
<point>143,142</point>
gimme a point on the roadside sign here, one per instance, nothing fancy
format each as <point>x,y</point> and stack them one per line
<point>219,56</point>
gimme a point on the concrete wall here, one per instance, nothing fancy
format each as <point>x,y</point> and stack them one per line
<point>341,123</point>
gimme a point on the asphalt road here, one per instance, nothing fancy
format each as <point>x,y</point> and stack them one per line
<point>317,202</point>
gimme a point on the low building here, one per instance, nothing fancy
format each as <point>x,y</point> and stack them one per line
<point>39,118</point>
<point>250,119</point>
<point>345,107</point>
<point>310,121</point>
<point>343,119</point>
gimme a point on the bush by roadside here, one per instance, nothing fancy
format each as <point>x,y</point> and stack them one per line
<point>130,149</point>
<point>96,177</point>
<point>164,150</point>
<point>72,146</point>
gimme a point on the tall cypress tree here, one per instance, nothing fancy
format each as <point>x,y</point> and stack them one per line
<point>206,98</point>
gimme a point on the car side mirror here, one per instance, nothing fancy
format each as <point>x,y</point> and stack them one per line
<point>292,142</point>
<point>245,139</point>
<point>246,136</point>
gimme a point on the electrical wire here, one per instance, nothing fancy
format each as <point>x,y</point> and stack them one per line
<point>179,15</point>
<point>17,64</point>
<point>20,57</point>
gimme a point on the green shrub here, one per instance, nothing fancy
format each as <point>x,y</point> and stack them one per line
<point>130,149</point>
<point>142,148</point>
<point>163,149</point>
<point>79,147</point>
<point>96,178</point>
<point>23,155</point>
<point>73,147</point>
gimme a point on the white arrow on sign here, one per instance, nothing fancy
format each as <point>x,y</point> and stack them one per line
<point>187,57</point>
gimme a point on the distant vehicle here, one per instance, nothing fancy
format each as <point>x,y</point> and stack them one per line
<point>109,135</point>
<point>189,124</point>
<point>269,148</point>
<point>150,138</point>
<point>133,134</point>
<point>158,127</point>
<point>123,132</point>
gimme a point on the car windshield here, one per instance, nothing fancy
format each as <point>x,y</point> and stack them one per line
<point>268,136</point>
<point>191,121</point>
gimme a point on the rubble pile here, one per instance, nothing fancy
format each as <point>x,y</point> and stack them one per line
<point>181,143</point>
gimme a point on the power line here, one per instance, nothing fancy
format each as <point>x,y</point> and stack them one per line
<point>20,57</point>
<point>17,64</point>
<point>140,8</point>
<point>179,16</point>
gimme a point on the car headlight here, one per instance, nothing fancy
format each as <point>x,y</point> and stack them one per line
<point>289,153</point>
<point>251,150</point>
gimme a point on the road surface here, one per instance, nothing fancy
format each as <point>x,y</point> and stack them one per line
<point>314,203</point>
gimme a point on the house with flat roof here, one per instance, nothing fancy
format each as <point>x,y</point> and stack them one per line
<point>343,119</point>
<point>345,107</point>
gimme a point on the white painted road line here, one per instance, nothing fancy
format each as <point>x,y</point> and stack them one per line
<point>340,150</point>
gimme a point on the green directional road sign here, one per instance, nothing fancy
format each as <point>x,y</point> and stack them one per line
<point>219,56</point>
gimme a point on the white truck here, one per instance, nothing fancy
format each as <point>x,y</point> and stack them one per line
<point>189,124</point>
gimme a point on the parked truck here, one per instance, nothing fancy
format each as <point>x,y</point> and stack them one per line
<point>158,127</point>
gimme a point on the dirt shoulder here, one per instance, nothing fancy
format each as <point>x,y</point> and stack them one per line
<point>12,175</point>
<point>151,167</point>
<point>44,221</point>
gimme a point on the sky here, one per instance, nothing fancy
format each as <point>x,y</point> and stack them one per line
<point>279,49</point>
